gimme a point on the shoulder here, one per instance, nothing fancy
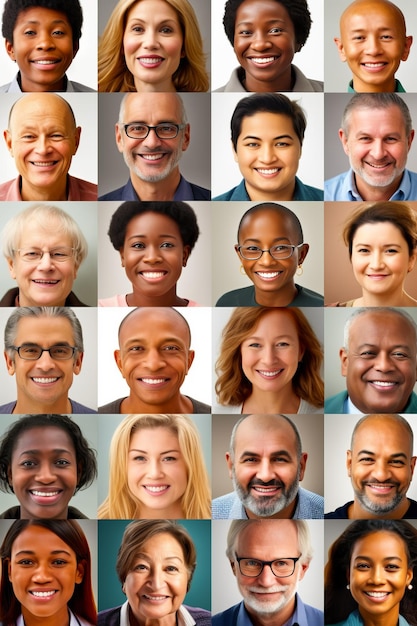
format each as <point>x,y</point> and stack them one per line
<point>72,300</point>
<point>334,187</point>
<point>233,84</point>
<point>7,409</point>
<point>334,404</point>
<point>305,408</point>
<point>302,83</point>
<point>200,193</point>
<point>237,193</point>
<point>9,298</point>
<point>411,512</point>
<point>200,407</point>
<point>116,194</point>
<point>238,297</point>
<point>80,87</point>
<point>5,88</point>
<point>80,408</point>
<point>74,513</point>
<point>226,618</point>
<point>10,190</point>
<point>307,297</point>
<point>311,505</point>
<point>340,513</point>
<point>118,300</point>
<point>221,507</point>
<point>111,407</point>
<point>306,192</point>
<point>109,617</point>
<point>200,616</point>
<point>81,189</point>
<point>12,513</point>
<point>412,404</point>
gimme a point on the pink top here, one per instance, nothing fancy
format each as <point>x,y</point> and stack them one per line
<point>120,300</point>
<point>78,189</point>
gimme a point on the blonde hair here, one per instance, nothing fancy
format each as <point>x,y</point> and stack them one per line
<point>232,386</point>
<point>113,74</point>
<point>120,503</point>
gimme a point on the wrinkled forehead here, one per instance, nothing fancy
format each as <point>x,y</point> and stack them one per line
<point>375,121</point>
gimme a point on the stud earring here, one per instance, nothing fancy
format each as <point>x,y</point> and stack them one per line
<point>410,587</point>
<point>300,270</point>
<point>242,270</point>
<point>348,587</point>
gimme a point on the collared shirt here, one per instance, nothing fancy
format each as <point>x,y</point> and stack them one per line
<point>301,192</point>
<point>184,191</point>
<point>71,86</point>
<point>309,506</point>
<point>74,620</point>
<point>355,619</point>
<point>183,616</point>
<point>303,615</point>
<point>398,87</point>
<point>77,189</point>
<point>343,187</point>
<point>301,82</point>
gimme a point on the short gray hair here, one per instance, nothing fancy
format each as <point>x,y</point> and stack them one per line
<point>374,101</point>
<point>381,309</point>
<point>272,417</point>
<point>183,113</point>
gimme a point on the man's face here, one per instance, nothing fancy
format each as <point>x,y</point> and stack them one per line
<point>45,381</point>
<point>380,362</point>
<point>373,43</point>
<point>42,139</point>
<point>266,595</point>
<point>265,468</point>
<point>377,146</point>
<point>154,355</point>
<point>152,159</point>
<point>380,464</point>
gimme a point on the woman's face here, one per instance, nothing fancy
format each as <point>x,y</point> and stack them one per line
<point>381,258</point>
<point>379,574</point>
<point>157,584</point>
<point>43,571</point>
<point>264,43</point>
<point>271,352</point>
<point>153,45</point>
<point>157,473</point>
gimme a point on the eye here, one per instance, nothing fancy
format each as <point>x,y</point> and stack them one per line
<point>139,458</point>
<point>59,562</point>
<point>283,144</point>
<point>141,567</point>
<point>138,29</point>
<point>138,245</point>
<point>391,251</point>
<point>251,144</point>
<point>172,569</point>
<point>362,566</point>
<point>363,250</point>
<point>250,459</point>
<point>27,464</point>
<point>25,562</point>
<point>169,458</point>
<point>29,32</point>
<point>166,30</point>
<point>62,463</point>
<point>397,463</point>
<point>254,345</point>
<point>59,32</point>
<point>172,348</point>
<point>167,245</point>
<point>367,354</point>
<point>276,30</point>
<point>400,355</point>
<point>57,136</point>
<point>136,349</point>
<point>283,344</point>
<point>366,460</point>
<point>245,32</point>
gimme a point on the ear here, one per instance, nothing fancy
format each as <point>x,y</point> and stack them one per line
<point>10,477</point>
<point>349,462</point>
<point>303,463</point>
<point>339,46</point>
<point>303,568</point>
<point>9,364</point>
<point>122,256</point>
<point>303,253</point>
<point>191,355</point>
<point>119,137</point>
<point>186,138</point>
<point>343,139</point>
<point>79,574</point>
<point>10,265</point>
<point>233,566</point>
<point>77,138</point>
<point>408,43</point>
<point>410,139</point>
<point>412,260</point>
<point>10,50</point>
<point>185,255</point>
<point>8,139</point>
<point>412,464</point>
<point>229,463</point>
<point>78,363</point>
<point>118,360</point>
<point>343,355</point>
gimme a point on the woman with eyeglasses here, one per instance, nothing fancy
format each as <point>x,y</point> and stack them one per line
<point>271,249</point>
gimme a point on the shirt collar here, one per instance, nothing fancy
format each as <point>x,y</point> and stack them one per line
<point>183,616</point>
<point>403,191</point>
<point>398,87</point>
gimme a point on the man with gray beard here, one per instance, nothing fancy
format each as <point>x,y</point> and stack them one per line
<point>266,464</point>
<point>380,465</point>
<point>152,133</point>
<point>269,558</point>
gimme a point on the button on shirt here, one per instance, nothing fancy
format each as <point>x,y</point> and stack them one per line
<point>343,187</point>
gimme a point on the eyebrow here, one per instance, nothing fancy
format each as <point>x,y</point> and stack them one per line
<point>260,139</point>
<point>373,345</point>
<point>259,241</point>
<point>145,451</point>
<point>143,236</point>
<point>54,552</point>
<point>272,21</point>
<point>386,558</point>
<point>396,455</point>
<point>41,22</point>
<point>143,340</point>
<point>274,453</point>
<point>141,555</point>
<point>252,337</point>
<point>55,451</point>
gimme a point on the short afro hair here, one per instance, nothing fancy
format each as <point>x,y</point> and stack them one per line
<point>179,212</point>
<point>71,8</point>
<point>297,10</point>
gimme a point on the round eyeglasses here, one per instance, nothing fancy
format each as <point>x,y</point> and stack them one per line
<point>279,567</point>
<point>33,255</point>
<point>137,130</point>
<point>282,251</point>
<point>32,352</point>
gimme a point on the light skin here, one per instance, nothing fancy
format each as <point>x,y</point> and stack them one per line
<point>380,363</point>
<point>45,282</point>
<point>153,160</point>
<point>41,562</point>
<point>154,359</point>
<point>377,146</point>
<point>268,152</point>
<point>273,279</point>
<point>270,356</point>
<point>157,584</point>
<point>43,472</point>
<point>268,598</point>
<point>43,385</point>
<point>380,466</point>
<point>153,256</point>
<point>156,473</point>
<point>264,44</point>
<point>379,575</point>
<point>265,467</point>
<point>43,48</point>
<point>381,261</point>
<point>42,146</point>
<point>373,42</point>
<point>153,45</point>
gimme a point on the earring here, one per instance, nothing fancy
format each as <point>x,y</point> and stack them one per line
<point>300,270</point>
<point>348,587</point>
<point>242,270</point>
<point>410,587</point>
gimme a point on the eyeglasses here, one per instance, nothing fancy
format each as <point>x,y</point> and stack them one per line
<point>33,255</point>
<point>32,352</point>
<point>253,253</point>
<point>279,567</point>
<point>137,130</point>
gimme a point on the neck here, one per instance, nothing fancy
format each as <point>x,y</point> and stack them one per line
<point>281,297</point>
<point>35,193</point>
<point>177,404</point>
<point>159,190</point>
<point>375,194</point>
<point>167,299</point>
<point>283,401</point>
<point>398,298</point>
<point>28,405</point>
<point>173,512</point>
<point>61,618</point>
<point>275,195</point>
<point>165,86</point>
<point>390,618</point>
<point>360,86</point>
<point>284,82</point>
<point>356,511</point>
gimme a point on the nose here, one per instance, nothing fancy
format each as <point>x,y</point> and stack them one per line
<point>155,578</point>
<point>260,41</point>
<point>381,471</point>
<point>373,45</point>
<point>45,361</point>
<point>382,362</point>
<point>43,145</point>
<point>377,575</point>
<point>150,39</point>
<point>154,469</point>
<point>45,41</point>
<point>377,149</point>
<point>152,141</point>
<point>266,578</point>
<point>376,259</point>
<point>42,573</point>
<point>45,263</point>
<point>264,471</point>
<point>152,254</point>
<point>267,259</point>
<point>268,355</point>
<point>267,154</point>
<point>45,474</point>
<point>153,360</point>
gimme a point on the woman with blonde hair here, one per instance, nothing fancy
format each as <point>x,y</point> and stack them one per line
<point>170,58</point>
<point>269,362</point>
<point>157,470</point>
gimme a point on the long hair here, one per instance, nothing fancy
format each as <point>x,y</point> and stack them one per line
<point>338,600</point>
<point>113,74</point>
<point>120,502</point>
<point>232,386</point>
<point>82,601</point>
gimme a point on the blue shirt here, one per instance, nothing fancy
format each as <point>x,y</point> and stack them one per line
<point>355,619</point>
<point>301,192</point>
<point>184,191</point>
<point>304,615</point>
<point>343,187</point>
<point>309,506</point>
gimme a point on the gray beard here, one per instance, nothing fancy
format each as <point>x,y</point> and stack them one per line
<point>265,506</point>
<point>374,507</point>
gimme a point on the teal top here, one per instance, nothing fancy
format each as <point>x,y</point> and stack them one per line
<point>398,87</point>
<point>355,619</point>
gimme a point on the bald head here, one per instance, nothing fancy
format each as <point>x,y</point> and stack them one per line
<point>361,7</point>
<point>44,103</point>
<point>155,316</point>
<point>391,422</point>
<point>267,426</point>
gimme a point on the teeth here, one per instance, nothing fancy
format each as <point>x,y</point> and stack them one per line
<point>382,383</point>
<point>45,62</point>
<point>382,487</point>
<point>374,64</point>
<point>269,374</point>
<point>45,380</point>
<point>155,597</point>
<point>378,167</point>
<point>43,494</point>
<point>262,60</point>
<point>42,594</point>
<point>272,170</point>
<point>42,163</point>
<point>46,282</point>
<point>377,594</point>
<point>152,60</point>
<point>268,274</point>
<point>153,274</point>
<point>153,381</point>
<point>152,157</point>
<point>264,489</point>
<point>156,489</point>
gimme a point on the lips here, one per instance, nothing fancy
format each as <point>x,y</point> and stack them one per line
<point>260,61</point>
<point>43,594</point>
<point>269,374</point>
<point>150,62</point>
<point>156,490</point>
<point>45,380</point>
<point>383,385</point>
<point>45,62</point>
<point>268,171</point>
<point>268,275</point>
<point>44,163</point>
<point>148,275</point>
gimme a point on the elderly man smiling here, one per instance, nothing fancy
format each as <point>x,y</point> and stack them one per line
<point>42,137</point>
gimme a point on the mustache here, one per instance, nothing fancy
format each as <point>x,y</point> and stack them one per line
<point>273,589</point>
<point>393,483</point>
<point>271,483</point>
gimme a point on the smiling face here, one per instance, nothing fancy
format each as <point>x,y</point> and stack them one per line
<point>153,45</point>
<point>381,466</point>
<point>156,473</point>
<point>154,357</point>
<point>380,365</point>
<point>373,42</point>
<point>379,575</point>
<point>265,467</point>
<point>381,260</point>
<point>43,472</point>
<point>43,48</point>
<point>264,43</point>
<point>268,152</point>
<point>153,256</point>
<point>377,146</point>
<point>273,279</point>
<point>43,571</point>
<point>43,385</point>
<point>42,145</point>
<point>157,584</point>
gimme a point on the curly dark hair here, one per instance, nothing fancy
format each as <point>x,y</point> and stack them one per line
<point>338,601</point>
<point>86,456</point>
<point>297,10</point>
<point>71,8</point>
<point>179,212</point>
